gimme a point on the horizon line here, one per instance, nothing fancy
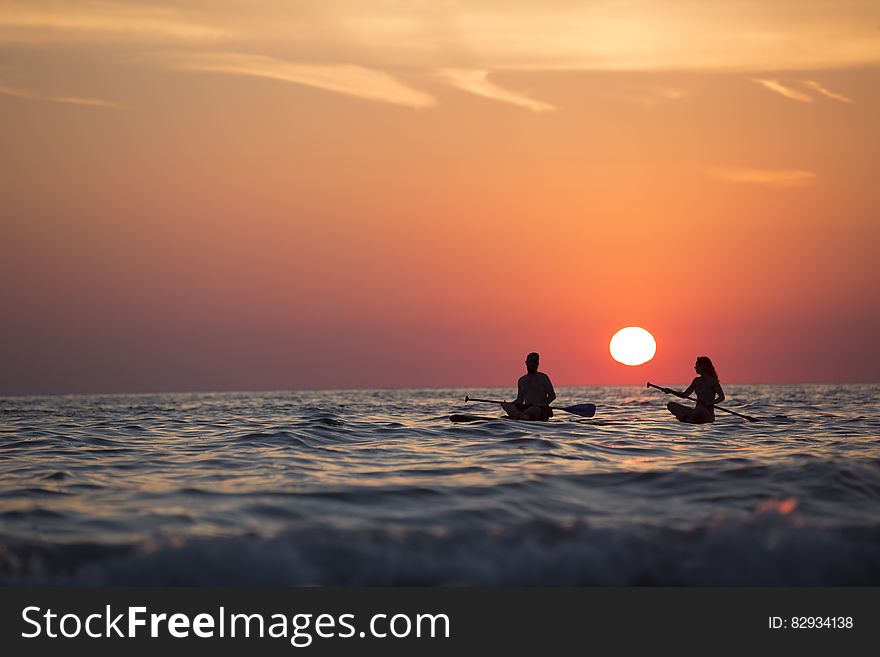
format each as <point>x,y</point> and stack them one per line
<point>14,395</point>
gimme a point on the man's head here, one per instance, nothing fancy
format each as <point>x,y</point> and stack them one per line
<point>532,362</point>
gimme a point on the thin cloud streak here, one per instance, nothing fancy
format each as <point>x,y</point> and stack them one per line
<point>348,79</point>
<point>67,100</point>
<point>765,177</point>
<point>812,84</point>
<point>66,22</point>
<point>477,82</point>
<point>776,87</point>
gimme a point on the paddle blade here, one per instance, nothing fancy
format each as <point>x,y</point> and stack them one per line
<point>584,410</point>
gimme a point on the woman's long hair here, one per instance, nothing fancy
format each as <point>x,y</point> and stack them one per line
<point>706,363</point>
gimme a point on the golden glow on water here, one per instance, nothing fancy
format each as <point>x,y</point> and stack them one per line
<point>214,464</point>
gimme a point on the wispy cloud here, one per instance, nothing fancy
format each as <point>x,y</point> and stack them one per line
<point>743,36</point>
<point>779,88</point>
<point>655,97</point>
<point>477,82</point>
<point>26,22</point>
<point>68,100</point>
<point>812,84</point>
<point>494,35</point>
<point>366,83</point>
<point>766,177</point>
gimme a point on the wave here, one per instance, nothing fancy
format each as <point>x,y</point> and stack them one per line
<point>770,549</point>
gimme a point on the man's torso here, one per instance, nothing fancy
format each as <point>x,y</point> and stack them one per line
<point>534,388</point>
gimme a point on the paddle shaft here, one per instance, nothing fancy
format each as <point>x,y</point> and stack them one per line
<point>581,410</point>
<point>496,401</point>
<point>720,408</point>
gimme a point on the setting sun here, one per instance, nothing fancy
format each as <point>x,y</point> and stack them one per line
<point>633,345</point>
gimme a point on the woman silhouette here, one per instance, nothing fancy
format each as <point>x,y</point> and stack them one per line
<point>706,385</point>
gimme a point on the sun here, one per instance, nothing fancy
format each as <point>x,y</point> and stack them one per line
<point>633,345</point>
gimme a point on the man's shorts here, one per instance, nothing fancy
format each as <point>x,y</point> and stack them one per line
<point>545,414</point>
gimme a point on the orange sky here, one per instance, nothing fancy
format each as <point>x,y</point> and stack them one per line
<point>274,195</point>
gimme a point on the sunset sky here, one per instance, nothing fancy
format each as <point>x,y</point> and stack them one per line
<point>269,194</point>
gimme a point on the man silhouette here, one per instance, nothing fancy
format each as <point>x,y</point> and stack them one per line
<point>534,394</point>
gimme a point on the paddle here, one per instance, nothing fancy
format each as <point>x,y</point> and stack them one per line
<point>584,410</point>
<point>720,408</point>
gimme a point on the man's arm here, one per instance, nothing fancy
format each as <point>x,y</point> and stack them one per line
<point>520,393</point>
<point>551,393</point>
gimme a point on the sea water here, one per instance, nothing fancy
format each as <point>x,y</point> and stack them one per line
<point>377,487</point>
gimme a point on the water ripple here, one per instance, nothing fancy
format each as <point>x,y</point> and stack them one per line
<point>109,484</point>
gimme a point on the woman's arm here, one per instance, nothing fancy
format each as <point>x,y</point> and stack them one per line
<point>719,392</point>
<point>686,393</point>
<point>683,395</point>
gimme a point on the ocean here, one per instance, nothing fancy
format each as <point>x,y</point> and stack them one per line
<point>377,487</point>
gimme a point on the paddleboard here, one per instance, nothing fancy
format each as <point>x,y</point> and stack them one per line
<point>482,418</point>
<point>470,418</point>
